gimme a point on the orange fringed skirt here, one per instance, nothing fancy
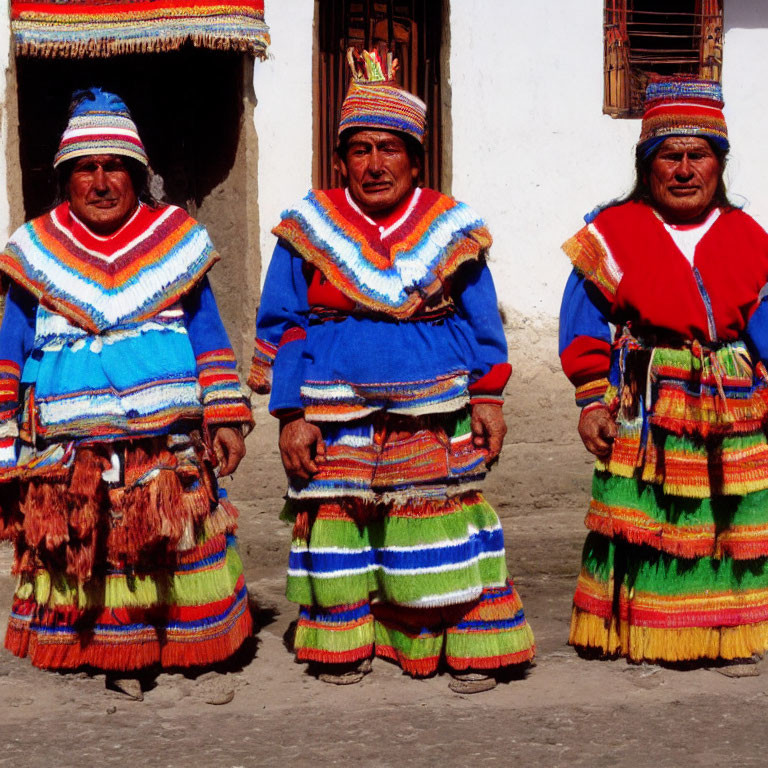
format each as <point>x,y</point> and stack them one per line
<point>126,558</point>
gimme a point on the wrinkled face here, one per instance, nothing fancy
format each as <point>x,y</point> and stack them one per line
<point>101,193</point>
<point>379,171</point>
<point>683,178</point>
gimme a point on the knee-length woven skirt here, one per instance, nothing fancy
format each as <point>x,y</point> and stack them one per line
<point>675,567</point>
<point>396,553</point>
<point>126,559</point>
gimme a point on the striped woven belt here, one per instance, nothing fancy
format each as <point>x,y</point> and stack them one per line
<point>636,358</point>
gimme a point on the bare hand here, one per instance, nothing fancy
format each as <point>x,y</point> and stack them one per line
<point>488,429</point>
<point>598,430</point>
<point>229,447</point>
<point>301,446</point>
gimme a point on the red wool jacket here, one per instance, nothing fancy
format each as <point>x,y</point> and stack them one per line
<point>646,282</point>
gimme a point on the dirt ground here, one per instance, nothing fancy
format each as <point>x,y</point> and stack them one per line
<point>566,712</point>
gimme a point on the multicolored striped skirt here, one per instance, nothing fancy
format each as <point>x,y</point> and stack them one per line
<point>676,565</point>
<point>398,566</point>
<point>126,560</point>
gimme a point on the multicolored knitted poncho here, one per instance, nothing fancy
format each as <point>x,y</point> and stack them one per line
<point>110,337</point>
<point>360,292</point>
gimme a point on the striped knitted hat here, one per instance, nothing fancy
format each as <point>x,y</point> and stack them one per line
<point>375,100</point>
<point>99,124</point>
<point>682,106</point>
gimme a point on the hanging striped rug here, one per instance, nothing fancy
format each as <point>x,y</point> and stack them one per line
<point>86,28</point>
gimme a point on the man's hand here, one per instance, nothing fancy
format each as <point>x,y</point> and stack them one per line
<point>229,447</point>
<point>488,429</point>
<point>598,430</point>
<point>301,446</point>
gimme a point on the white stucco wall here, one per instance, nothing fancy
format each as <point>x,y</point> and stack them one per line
<point>745,58</point>
<point>531,148</point>
<point>532,151</point>
<point>283,113</point>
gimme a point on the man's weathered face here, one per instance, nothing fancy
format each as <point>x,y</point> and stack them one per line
<point>101,193</point>
<point>379,171</point>
<point>683,178</point>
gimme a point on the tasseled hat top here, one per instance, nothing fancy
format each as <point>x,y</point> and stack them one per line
<point>375,100</point>
<point>99,124</point>
<point>682,106</point>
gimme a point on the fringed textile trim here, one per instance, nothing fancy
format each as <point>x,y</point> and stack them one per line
<point>147,409</point>
<point>691,420</point>
<point>703,393</point>
<point>340,634</point>
<point>664,597</point>
<point>432,458</point>
<point>393,275</point>
<point>444,557</point>
<point>590,255</point>
<point>222,397</point>
<point>347,401</point>
<point>669,609</point>
<point>690,467</point>
<point>97,29</point>
<point>166,499</point>
<point>125,637</point>
<point>260,374</point>
<point>488,633</point>
<point>100,282</point>
<point>643,513</point>
<point>614,637</point>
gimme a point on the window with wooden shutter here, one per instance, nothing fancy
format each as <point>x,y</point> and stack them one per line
<point>664,37</point>
<point>412,30</point>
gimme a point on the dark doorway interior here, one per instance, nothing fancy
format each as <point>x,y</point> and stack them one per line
<point>187,105</point>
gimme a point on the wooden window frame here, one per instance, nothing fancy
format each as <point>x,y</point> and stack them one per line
<point>629,65</point>
<point>412,31</point>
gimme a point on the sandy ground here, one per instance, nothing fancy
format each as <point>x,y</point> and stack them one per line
<point>566,712</point>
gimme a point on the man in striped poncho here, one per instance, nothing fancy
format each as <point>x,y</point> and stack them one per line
<point>118,397</point>
<point>379,338</point>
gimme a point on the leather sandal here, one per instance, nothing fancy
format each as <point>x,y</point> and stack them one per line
<point>347,674</point>
<point>472,682</point>
<point>741,667</point>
